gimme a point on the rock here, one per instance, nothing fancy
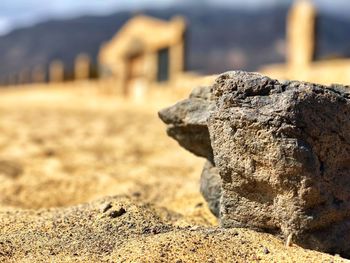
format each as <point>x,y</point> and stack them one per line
<point>117,212</point>
<point>187,122</point>
<point>106,207</point>
<point>282,150</point>
<point>210,187</point>
<point>266,250</point>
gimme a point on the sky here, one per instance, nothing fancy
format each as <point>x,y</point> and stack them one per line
<point>17,13</point>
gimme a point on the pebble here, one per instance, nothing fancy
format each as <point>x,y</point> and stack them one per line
<point>117,213</point>
<point>106,207</point>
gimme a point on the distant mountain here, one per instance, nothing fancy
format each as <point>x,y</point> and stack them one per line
<point>219,39</point>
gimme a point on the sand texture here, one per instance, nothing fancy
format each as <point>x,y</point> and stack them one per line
<point>86,177</point>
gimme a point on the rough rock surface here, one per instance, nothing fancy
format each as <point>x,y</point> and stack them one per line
<point>187,122</point>
<point>210,187</point>
<point>283,155</point>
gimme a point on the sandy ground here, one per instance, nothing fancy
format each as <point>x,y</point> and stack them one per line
<point>64,150</point>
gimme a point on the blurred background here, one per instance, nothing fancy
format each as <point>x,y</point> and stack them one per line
<point>220,35</point>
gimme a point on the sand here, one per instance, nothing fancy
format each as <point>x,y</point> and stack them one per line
<point>86,177</point>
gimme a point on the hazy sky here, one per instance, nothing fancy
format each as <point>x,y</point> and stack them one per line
<point>15,13</point>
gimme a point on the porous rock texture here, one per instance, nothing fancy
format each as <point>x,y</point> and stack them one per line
<point>282,152</point>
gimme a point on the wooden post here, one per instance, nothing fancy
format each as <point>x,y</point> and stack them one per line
<point>56,72</point>
<point>82,67</point>
<point>301,34</point>
<point>177,50</point>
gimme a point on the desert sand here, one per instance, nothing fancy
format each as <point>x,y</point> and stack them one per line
<point>91,177</point>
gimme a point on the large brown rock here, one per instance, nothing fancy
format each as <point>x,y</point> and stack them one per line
<point>283,154</point>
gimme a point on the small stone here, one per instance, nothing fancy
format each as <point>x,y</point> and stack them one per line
<point>194,228</point>
<point>106,207</point>
<point>266,251</point>
<point>117,213</point>
<point>146,230</point>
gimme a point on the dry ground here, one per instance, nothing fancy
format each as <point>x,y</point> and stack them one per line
<point>64,146</point>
